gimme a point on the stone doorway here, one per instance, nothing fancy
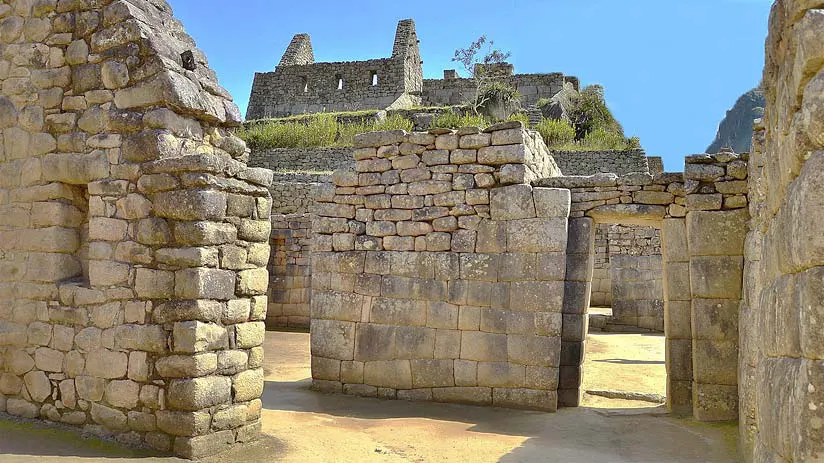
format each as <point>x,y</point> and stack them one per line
<point>703,220</point>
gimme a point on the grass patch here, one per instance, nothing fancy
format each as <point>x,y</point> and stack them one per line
<point>314,131</point>
<point>452,120</point>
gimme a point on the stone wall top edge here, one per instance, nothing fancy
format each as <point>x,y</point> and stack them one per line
<point>318,65</point>
<point>515,76</point>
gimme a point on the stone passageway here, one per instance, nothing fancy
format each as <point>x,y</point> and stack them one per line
<point>315,427</point>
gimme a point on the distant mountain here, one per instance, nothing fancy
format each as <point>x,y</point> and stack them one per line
<point>735,131</point>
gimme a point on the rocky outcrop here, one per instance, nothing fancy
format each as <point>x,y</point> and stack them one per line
<point>735,131</point>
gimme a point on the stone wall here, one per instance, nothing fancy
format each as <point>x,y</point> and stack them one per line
<point>432,280</point>
<point>290,275</point>
<point>306,160</point>
<point>614,239</point>
<point>703,216</point>
<point>601,162</point>
<point>637,291</point>
<point>299,86</point>
<point>133,237</point>
<point>457,90</point>
<point>298,173</point>
<point>780,368</point>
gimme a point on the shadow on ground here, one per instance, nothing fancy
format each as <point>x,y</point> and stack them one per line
<point>570,435</point>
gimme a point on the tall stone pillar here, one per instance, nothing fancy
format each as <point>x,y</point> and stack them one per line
<point>577,291</point>
<point>677,315</point>
<point>716,227</point>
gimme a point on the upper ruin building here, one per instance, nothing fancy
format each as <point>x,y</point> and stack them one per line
<point>299,85</point>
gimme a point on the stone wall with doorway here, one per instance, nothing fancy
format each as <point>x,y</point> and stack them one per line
<point>703,214</point>
<point>133,236</point>
<point>438,270</point>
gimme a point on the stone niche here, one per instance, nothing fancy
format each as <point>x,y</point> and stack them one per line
<point>133,237</point>
<point>438,271</point>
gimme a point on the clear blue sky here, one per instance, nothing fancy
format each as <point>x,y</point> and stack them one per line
<point>671,68</point>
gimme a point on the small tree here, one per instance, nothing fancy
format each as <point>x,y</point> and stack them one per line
<point>469,58</point>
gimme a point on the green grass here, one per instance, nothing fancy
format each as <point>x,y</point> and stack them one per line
<point>559,135</point>
<point>452,120</point>
<point>314,131</point>
<point>307,117</point>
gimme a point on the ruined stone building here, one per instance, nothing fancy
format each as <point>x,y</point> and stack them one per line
<point>299,85</point>
<point>451,266</point>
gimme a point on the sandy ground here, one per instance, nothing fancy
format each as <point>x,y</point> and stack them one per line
<point>303,426</point>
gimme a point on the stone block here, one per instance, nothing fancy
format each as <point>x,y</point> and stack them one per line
<point>395,374</point>
<point>122,394</point>
<point>398,312</point>
<point>252,282</point>
<point>414,342</point>
<point>677,319</point>
<point>677,281</point>
<point>704,202</point>
<point>715,319</point>
<point>501,374</point>
<point>195,394</point>
<point>102,363</point>
<point>534,350</point>
<point>202,446</point>
<point>248,385</point>
<point>154,284</point>
<point>333,339</point>
<point>551,202</point>
<point>679,359</point>
<point>718,233</point>
<point>375,342</point>
<point>187,366</point>
<point>512,202</point>
<point>463,395</point>
<point>537,296</point>
<point>500,155</point>
<point>714,402</point>
<point>525,398</point>
<point>715,362</point>
<point>447,344</point>
<point>110,418</point>
<point>205,283</point>
<point>195,336</point>
<point>428,373</point>
<point>483,347</point>
<point>716,277</point>
<point>190,205</point>
<point>536,235</point>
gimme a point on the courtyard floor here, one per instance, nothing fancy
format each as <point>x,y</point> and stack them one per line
<point>304,426</point>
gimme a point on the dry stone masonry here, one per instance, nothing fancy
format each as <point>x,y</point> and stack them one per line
<point>782,341</point>
<point>437,271</point>
<point>703,216</point>
<point>133,237</point>
<point>300,85</point>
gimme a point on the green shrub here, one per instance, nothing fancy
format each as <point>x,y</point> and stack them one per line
<point>556,132</point>
<point>451,120</point>
<point>543,102</point>
<point>589,112</point>
<point>496,90</point>
<point>523,117</point>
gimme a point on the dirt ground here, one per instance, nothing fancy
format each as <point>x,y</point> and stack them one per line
<point>303,426</point>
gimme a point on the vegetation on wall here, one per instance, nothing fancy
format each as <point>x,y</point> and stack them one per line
<point>590,125</point>
<point>314,131</point>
